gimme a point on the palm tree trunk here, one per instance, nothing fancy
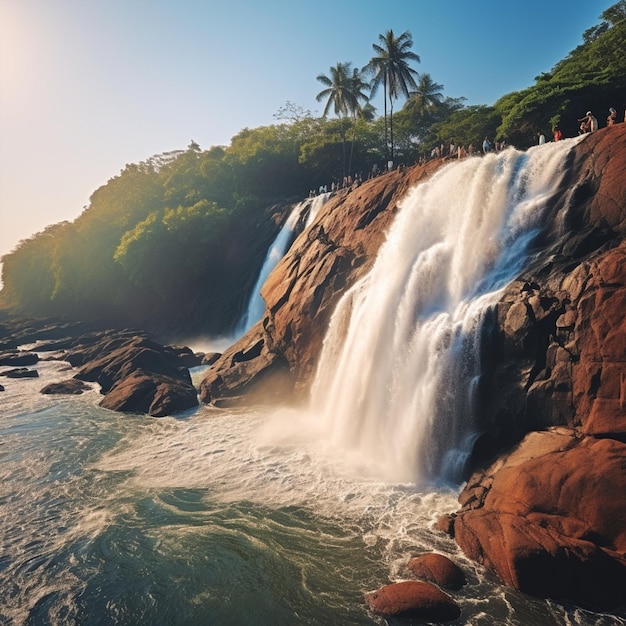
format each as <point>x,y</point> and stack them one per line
<point>391,123</point>
<point>385,100</point>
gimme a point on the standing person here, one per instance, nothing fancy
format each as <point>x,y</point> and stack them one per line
<point>611,119</point>
<point>557,134</point>
<point>486,145</point>
<point>542,138</point>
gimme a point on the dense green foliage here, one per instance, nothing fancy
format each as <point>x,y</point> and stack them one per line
<point>192,226</point>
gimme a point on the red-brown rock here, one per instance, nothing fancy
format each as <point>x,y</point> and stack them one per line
<point>550,519</point>
<point>413,599</point>
<point>438,569</point>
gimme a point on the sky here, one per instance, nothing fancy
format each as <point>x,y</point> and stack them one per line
<point>88,86</point>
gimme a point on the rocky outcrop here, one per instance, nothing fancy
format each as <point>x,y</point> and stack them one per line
<point>302,291</point>
<point>135,373</point>
<point>557,343</point>
<point>549,518</point>
<point>554,355</point>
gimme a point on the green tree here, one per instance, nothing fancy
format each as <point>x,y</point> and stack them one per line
<point>425,98</point>
<point>390,67</point>
<point>344,92</point>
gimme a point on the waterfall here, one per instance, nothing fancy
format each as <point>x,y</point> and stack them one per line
<point>400,366</point>
<point>280,245</point>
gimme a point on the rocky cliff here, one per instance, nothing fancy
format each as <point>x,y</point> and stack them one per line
<point>549,517</point>
<point>546,508</point>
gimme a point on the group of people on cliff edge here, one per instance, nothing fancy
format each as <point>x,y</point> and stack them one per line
<point>589,122</point>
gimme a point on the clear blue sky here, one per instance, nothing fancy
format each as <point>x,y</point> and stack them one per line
<point>87,86</point>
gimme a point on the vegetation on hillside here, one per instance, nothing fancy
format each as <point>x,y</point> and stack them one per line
<point>192,226</point>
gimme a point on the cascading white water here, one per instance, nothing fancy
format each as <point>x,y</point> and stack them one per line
<point>280,245</point>
<point>316,204</point>
<point>400,364</point>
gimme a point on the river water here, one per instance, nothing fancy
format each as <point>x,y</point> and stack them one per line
<point>211,518</point>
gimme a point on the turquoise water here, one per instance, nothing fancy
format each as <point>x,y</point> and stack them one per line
<point>211,518</point>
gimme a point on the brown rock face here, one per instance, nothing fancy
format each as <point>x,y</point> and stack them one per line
<point>414,599</point>
<point>303,289</point>
<point>550,519</point>
<point>438,569</point>
<point>136,375</point>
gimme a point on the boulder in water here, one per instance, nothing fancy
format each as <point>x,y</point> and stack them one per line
<point>413,599</point>
<point>438,569</point>
<point>20,372</point>
<point>18,358</point>
<point>136,374</point>
<point>548,518</point>
<point>73,387</point>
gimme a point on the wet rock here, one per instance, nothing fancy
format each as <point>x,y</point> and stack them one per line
<point>20,372</point>
<point>413,599</point>
<point>136,374</point>
<point>72,387</point>
<point>18,358</point>
<point>548,519</point>
<point>438,569</point>
<point>248,372</point>
<point>156,396</point>
<point>445,523</point>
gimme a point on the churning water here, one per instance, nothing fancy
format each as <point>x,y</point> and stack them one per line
<point>275,516</point>
<point>401,361</point>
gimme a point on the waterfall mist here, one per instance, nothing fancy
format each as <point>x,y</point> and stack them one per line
<point>400,367</point>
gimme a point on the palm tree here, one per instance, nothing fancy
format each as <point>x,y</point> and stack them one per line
<point>425,98</point>
<point>358,87</point>
<point>344,94</point>
<point>391,67</point>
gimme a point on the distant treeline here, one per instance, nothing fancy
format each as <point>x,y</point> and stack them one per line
<point>174,243</point>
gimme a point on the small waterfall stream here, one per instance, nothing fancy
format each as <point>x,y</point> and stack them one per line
<point>280,245</point>
<point>400,366</point>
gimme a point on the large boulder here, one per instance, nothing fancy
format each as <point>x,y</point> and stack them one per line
<point>438,569</point>
<point>549,518</point>
<point>413,599</point>
<point>136,374</point>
